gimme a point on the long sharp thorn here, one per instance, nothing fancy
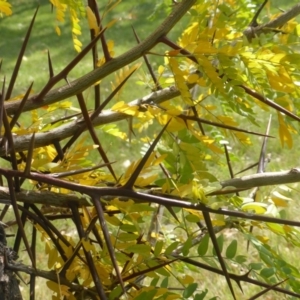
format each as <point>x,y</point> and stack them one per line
<point>20,108</point>
<point>63,74</point>
<point>157,85</point>
<point>2,106</point>
<point>262,158</point>
<point>20,57</point>
<point>204,121</point>
<point>129,184</point>
<point>29,155</point>
<point>51,73</point>
<point>106,235</point>
<point>10,140</point>
<point>88,123</point>
<point>262,163</point>
<point>258,295</point>
<point>18,219</point>
<point>217,249</point>
<point>110,97</point>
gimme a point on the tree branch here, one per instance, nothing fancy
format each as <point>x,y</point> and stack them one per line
<point>113,65</point>
<point>263,179</point>
<point>22,142</point>
<point>278,22</point>
<point>43,197</point>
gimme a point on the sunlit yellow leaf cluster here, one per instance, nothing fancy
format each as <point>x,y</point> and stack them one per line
<point>5,8</point>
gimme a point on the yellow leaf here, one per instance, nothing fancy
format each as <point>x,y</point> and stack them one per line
<point>161,69</point>
<point>92,20</point>
<point>57,29</point>
<point>279,199</point>
<point>284,133</point>
<point>187,279</point>
<point>53,254</point>
<point>257,207</point>
<point>5,8</point>
<point>263,239</point>
<point>111,23</point>
<point>218,222</point>
<point>88,246</point>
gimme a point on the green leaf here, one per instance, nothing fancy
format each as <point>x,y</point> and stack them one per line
<point>255,266</point>
<point>126,237</point>
<point>203,245</point>
<point>171,248</point>
<point>241,259</point>
<point>192,218</point>
<point>158,248</point>
<point>267,272</point>
<point>188,292</point>
<point>231,249</point>
<point>140,249</point>
<point>220,241</point>
<point>165,283</point>
<point>115,293</point>
<point>154,281</point>
<point>201,296</point>
<point>128,228</point>
<point>187,246</point>
<point>149,295</point>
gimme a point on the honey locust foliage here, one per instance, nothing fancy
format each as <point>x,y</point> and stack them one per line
<point>172,219</point>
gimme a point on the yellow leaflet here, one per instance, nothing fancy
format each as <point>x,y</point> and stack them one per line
<point>211,73</point>
<point>183,191</point>
<point>284,133</point>
<point>218,222</point>
<point>192,78</point>
<point>110,46</point>
<point>57,30</point>
<point>88,246</point>
<point>159,159</point>
<point>186,279</point>
<point>277,84</point>
<point>123,74</point>
<point>77,48</point>
<point>52,258</point>
<point>263,239</point>
<point>77,42</point>
<point>205,47</point>
<point>227,120</point>
<point>176,125</point>
<point>215,149</point>
<point>92,20</point>
<point>104,272</point>
<point>161,69</point>
<point>198,192</point>
<point>180,81</point>
<point>195,213</point>
<point>144,181</point>
<point>276,228</point>
<point>285,102</point>
<point>5,8</point>
<point>122,205</point>
<point>67,249</point>
<point>257,207</point>
<point>242,137</point>
<point>189,36</point>
<point>110,6</point>
<point>111,23</point>
<point>279,199</point>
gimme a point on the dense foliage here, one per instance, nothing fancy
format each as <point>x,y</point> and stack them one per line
<point>142,183</point>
